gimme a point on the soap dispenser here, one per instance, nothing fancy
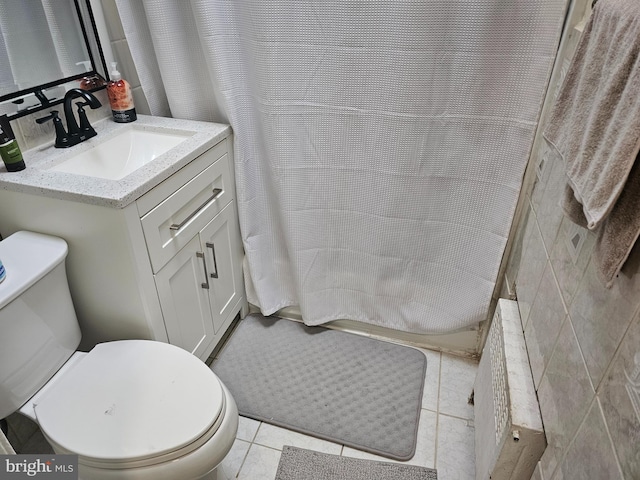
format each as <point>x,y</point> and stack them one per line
<point>9,149</point>
<point>120,97</point>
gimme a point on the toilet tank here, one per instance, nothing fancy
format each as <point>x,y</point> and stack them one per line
<point>39,330</point>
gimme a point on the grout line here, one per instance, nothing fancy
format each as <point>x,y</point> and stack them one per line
<point>435,443</point>
<point>247,455</point>
<point>582,357</point>
<point>466,419</point>
<point>609,436</point>
<point>243,460</point>
<point>554,344</point>
<point>567,448</point>
<point>255,434</point>
<point>556,283</point>
<point>610,365</point>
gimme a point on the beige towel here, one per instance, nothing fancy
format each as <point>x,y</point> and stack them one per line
<point>595,123</point>
<point>618,232</point>
<point>595,127</point>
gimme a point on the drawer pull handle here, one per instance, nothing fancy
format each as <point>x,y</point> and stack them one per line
<point>214,274</point>
<point>204,265</point>
<point>178,226</point>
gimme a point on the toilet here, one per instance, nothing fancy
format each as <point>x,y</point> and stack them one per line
<point>134,409</point>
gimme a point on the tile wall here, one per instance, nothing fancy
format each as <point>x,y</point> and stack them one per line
<point>122,54</point>
<point>583,342</point>
<point>583,339</point>
<point>30,135</point>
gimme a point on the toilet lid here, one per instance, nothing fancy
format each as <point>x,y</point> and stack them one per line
<point>131,400</point>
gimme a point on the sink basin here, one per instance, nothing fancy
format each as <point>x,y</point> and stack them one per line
<point>118,156</point>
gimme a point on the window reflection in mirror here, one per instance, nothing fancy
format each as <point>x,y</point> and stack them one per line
<point>42,42</point>
<point>43,47</point>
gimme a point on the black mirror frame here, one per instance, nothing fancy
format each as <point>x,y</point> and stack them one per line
<point>38,90</point>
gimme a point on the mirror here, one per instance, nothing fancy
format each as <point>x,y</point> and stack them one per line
<point>46,48</point>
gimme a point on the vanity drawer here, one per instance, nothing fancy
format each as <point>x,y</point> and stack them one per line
<point>159,193</point>
<point>174,222</point>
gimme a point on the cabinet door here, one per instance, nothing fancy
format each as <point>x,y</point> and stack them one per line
<point>184,299</point>
<point>221,244</point>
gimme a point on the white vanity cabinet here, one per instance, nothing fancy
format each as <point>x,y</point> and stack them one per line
<point>167,266</point>
<point>195,253</point>
<point>200,284</point>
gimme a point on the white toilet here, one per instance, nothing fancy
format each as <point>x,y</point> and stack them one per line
<point>133,409</point>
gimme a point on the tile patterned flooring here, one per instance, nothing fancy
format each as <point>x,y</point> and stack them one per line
<point>445,431</point>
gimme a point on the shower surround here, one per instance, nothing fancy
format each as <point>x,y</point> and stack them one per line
<point>583,339</point>
<point>380,146</point>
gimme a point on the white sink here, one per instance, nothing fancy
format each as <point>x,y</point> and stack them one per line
<point>118,156</point>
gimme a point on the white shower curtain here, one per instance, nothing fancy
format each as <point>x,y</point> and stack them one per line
<point>379,145</point>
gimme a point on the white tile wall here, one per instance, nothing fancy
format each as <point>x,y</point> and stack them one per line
<point>590,455</point>
<point>619,396</point>
<point>122,55</point>
<point>591,425</point>
<point>565,394</point>
<point>112,19</point>
<point>573,328</point>
<point>29,134</point>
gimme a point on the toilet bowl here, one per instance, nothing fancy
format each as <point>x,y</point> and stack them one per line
<point>134,409</point>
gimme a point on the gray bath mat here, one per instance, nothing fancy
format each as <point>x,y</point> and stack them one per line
<point>338,386</point>
<point>299,464</point>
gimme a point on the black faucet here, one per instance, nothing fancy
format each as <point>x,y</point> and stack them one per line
<point>74,133</point>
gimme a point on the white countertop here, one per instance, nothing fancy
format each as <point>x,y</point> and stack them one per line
<point>36,179</point>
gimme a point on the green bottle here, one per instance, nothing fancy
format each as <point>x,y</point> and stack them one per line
<point>9,148</point>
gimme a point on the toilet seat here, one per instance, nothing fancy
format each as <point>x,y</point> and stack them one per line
<point>113,465</point>
<point>132,403</point>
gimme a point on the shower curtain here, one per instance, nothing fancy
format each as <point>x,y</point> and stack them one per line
<point>379,145</point>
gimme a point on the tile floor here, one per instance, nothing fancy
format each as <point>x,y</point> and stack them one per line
<point>445,431</point>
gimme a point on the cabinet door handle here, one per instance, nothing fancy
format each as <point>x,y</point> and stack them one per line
<point>178,226</point>
<point>204,265</point>
<point>214,274</point>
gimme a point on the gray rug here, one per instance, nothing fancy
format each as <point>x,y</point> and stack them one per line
<point>299,464</point>
<point>338,386</point>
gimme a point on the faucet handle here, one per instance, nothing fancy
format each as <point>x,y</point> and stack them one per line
<point>85,127</point>
<point>53,115</point>
<point>62,139</point>
<point>81,112</point>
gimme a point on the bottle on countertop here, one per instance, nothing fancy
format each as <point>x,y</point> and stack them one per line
<point>120,97</point>
<point>3,272</point>
<point>9,148</point>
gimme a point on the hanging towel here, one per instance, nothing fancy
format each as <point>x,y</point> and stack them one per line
<point>619,231</point>
<point>595,124</point>
<point>595,127</point>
